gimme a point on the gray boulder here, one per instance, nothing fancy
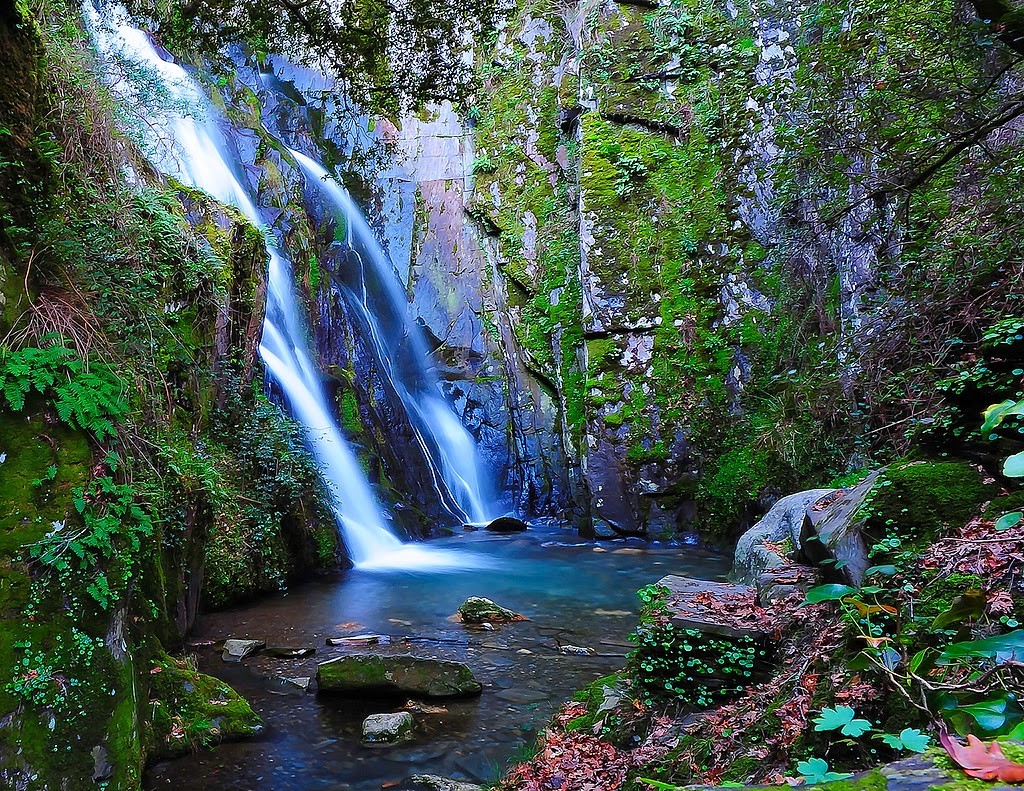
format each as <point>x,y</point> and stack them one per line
<point>782,522</point>
<point>388,728</point>
<point>831,536</point>
<point>413,675</point>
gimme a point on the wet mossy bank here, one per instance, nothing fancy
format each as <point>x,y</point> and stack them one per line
<point>696,706</point>
<point>142,470</point>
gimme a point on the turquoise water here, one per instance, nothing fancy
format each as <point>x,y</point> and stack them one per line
<point>574,592</point>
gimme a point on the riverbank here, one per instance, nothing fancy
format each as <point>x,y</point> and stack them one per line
<point>576,595</point>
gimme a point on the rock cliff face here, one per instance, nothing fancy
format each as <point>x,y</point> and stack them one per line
<point>706,239</point>
<point>677,259</point>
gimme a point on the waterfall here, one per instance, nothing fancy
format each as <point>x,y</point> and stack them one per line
<point>189,146</point>
<point>379,300</point>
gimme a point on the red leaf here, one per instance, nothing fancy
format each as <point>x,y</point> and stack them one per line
<point>986,762</point>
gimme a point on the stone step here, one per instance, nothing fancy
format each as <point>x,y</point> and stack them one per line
<point>727,609</point>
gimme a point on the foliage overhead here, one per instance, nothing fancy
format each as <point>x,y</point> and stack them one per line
<point>392,55</point>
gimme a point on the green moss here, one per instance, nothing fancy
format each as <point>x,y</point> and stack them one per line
<point>30,445</point>
<point>869,781</point>
<point>918,500</point>
<point>188,709</point>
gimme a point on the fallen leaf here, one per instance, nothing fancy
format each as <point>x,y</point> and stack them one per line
<point>985,762</point>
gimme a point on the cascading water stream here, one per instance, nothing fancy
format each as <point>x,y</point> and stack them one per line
<point>378,297</point>
<point>189,147</point>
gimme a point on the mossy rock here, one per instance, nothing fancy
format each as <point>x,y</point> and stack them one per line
<point>918,500</point>
<point>405,674</point>
<point>477,610</point>
<point>188,709</point>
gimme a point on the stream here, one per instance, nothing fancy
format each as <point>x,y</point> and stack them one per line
<point>574,593</point>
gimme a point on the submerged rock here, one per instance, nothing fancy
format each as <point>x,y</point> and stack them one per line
<point>438,783</point>
<point>290,686</point>
<point>521,696</point>
<point>288,651</point>
<point>477,610</point>
<point>506,524</point>
<point>575,650</point>
<point>388,728</point>
<point>418,707</point>
<point>414,675</point>
<point>237,650</point>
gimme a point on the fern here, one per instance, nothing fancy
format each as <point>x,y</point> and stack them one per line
<point>92,400</point>
<point>100,551</point>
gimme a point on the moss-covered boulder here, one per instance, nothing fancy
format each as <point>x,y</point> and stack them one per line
<point>188,709</point>
<point>477,610</point>
<point>917,500</point>
<point>413,675</point>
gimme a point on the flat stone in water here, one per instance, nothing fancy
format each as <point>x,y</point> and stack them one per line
<point>237,650</point>
<point>402,673</point>
<point>288,651</point>
<point>359,639</point>
<point>522,695</point>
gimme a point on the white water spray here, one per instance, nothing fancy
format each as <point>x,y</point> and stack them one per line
<point>403,357</point>
<point>190,147</point>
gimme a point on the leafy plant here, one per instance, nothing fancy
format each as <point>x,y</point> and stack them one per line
<point>815,770</point>
<point>1013,466</point>
<point>843,719</point>
<point>89,398</point>
<point>908,739</point>
<point>100,554</point>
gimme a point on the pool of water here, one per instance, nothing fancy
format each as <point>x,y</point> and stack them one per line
<point>574,593</point>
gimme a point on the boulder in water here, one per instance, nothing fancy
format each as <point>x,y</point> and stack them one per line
<point>388,728</point>
<point>237,650</point>
<point>477,610</point>
<point>506,524</point>
<point>414,675</point>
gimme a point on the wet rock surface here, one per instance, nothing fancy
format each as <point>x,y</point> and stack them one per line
<point>479,610</point>
<point>416,675</point>
<point>388,728</point>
